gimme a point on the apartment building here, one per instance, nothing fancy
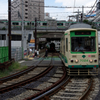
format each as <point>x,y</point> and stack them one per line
<point>32,9</point>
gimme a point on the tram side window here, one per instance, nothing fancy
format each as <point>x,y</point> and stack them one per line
<point>33,24</point>
<point>66,44</point>
<point>59,24</point>
<point>3,37</point>
<point>44,24</point>
<point>73,43</point>
<point>15,23</point>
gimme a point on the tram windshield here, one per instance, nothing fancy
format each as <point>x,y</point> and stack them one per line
<point>83,44</point>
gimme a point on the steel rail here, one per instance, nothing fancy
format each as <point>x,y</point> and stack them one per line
<point>89,87</point>
<point>53,89</point>
<point>16,85</point>
<point>48,89</point>
<point>6,64</point>
<point>4,79</point>
<point>5,89</point>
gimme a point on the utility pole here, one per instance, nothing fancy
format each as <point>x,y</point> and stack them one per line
<point>9,27</point>
<point>39,10</point>
<point>82,13</point>
<point>74,5</point>
<point>22,28</point>
<point>35,34</point>
<point>78,15</point>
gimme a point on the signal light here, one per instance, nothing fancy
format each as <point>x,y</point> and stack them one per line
<point>94,66</point>
<point>72,66</point>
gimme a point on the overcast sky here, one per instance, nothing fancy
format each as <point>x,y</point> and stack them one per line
<point>59,13</point>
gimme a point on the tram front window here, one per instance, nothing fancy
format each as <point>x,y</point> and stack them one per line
<point>84,44</point>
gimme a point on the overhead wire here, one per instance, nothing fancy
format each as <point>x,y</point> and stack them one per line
<point>36,6</point>
<point>53,6</point>
<point>92,7</point>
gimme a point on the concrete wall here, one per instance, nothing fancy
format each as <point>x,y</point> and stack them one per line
<point>16,43</point>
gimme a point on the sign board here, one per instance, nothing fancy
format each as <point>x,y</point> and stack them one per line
<point>31,44</point>
<point>42,39</point>
<point>32,41</point>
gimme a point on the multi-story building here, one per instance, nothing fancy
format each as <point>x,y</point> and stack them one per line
<point>32,9</point>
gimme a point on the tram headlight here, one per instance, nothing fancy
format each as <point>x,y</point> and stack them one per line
<point>91,60</point>
<point>76,61</point>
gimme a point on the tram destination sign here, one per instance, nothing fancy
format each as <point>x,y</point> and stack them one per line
<point>83,33</point>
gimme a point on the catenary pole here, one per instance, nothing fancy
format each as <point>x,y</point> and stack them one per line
<point>9,28</point>
<point>22,28</point>
<point>82,13</point>
<point>35,33</point>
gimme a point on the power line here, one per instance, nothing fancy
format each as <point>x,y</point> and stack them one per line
<point>74,5</point>
<point>92,7</point>
<point>60,12</point>
<point>52,6</point>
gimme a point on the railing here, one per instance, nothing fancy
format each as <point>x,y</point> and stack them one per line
<point>16,53</point>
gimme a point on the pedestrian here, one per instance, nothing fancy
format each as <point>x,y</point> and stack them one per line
<point>46,53</point>
<point>35,53</point>
<point>38,53</point>
<point>30,51</point>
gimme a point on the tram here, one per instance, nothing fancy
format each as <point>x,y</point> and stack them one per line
<point>79,50</point>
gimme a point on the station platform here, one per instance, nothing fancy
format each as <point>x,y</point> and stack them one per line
<point>29,61</point>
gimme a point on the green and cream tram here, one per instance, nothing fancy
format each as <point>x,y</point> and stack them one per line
<point>79,50</point>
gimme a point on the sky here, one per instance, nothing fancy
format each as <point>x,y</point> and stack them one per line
<point>57,13</point>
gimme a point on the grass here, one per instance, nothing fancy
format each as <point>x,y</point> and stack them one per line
<point>15,67</point>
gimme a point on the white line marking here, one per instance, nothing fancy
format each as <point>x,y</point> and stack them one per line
<point>21,61</point>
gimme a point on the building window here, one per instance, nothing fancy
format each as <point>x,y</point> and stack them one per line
<point>16,37</point>
<point>26,1</point>
<point>26,9</point>
<point>26,5</point>
<point>26,13</point>
<point>26,17</point>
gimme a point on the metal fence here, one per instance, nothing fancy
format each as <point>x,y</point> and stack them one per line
<point>16,53</point>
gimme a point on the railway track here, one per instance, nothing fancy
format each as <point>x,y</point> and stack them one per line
<point>27,76</point>
<point>18,74</point>
<point>53,85</point>
<point>33,76</point>
<point>76,89</point>
<point>6,64</point>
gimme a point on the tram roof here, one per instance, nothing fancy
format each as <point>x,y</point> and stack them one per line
<point>80,25</point>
